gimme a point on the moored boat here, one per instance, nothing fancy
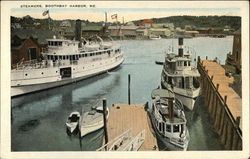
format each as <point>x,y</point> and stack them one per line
<point>73,121</point>
<point>169,121</point>
<point>92,120</point>
<point>65,61</point>
<point>178,75</point>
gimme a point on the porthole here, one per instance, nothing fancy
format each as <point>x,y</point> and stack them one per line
<point>56,71</point>
<point>82,67</point>
<point>42,73</point>
<point>26,74</point>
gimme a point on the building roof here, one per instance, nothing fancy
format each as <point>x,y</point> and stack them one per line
<point>92,28</point>
<point>146,21</point>
<point>131,27</point>
<point>40,34</point>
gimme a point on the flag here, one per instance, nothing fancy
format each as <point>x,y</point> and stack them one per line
<point>114,16</point>
<point>45,12</point>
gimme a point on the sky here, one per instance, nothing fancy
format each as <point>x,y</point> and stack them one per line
<point>129,10</point>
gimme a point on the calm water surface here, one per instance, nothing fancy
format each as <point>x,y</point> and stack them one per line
<point>38,119</point>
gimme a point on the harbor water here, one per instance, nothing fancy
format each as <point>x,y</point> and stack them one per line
<point>38,119</point>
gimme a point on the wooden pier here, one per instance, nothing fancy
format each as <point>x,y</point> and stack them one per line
<point>123,117</point>
<point>224,104</point>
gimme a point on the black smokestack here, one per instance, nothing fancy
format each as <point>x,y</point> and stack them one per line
<point>180,51</point>
<point>78,30</point>
<point>180,40</point>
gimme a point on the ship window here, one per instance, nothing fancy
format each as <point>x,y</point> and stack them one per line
<point>60,57</point>
<point>56,43</point>
<point>56,57</point>
<point>160,126</point>
<point>163,127</point>
<point>189,63</point>
<point>80,56</point>
<point>185,63</point>
<point>168,128</point>
<point>60,43</point>
<point>176,128</point>
<point>63,57</point>
<point>42,73</point>
<point>26,74</point>
<point>67,57</point>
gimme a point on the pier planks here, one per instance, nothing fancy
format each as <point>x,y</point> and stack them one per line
<point>234,102</point>
<point>123,117</point>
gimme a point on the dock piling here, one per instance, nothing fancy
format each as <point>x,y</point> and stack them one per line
<point>129,89</point>
<point>104,104</point>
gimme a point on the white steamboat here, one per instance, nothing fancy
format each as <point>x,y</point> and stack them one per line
<point>65,62</point>
<point>181,77</point>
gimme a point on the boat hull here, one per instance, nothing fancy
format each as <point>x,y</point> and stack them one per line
<point>85,130</point>
<point>187,101</point>
<point>26,89</point>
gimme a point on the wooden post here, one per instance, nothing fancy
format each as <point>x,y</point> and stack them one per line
<point>129,89</point>
<point>217,87</point>
<point>238,121</point>
<point>225,99</point>
<point>104,105</point>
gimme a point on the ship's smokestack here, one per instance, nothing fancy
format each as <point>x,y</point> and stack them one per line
<point>171,108</point>
<point>78,30</point>
<point>180,51</point>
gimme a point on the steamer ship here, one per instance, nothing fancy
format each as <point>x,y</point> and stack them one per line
<point>66,61</point>
<point>180,77</point>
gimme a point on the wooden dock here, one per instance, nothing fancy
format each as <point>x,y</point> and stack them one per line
<point>223,103</point>
<point>123,117</point>
<point>234,102</point>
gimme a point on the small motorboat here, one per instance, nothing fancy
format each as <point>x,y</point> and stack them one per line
<point>92,121</point>
<point>73,121</point>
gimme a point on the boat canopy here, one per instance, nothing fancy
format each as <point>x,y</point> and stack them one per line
<point>162,93</point>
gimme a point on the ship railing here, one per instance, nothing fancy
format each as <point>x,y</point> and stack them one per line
<point>34,64</point>
<point>116,142</point>
<point>177,141</point>
<point>29,64</point>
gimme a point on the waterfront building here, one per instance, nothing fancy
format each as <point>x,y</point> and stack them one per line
<point>88,31</point>
<point>65,24</point>
<point>124,31</point>
<point>141,32</point>
<point>27,44</point>
<point>26,49</point>
<point>146,22</point>
<point>163,32</point>
<point>234,59</point>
